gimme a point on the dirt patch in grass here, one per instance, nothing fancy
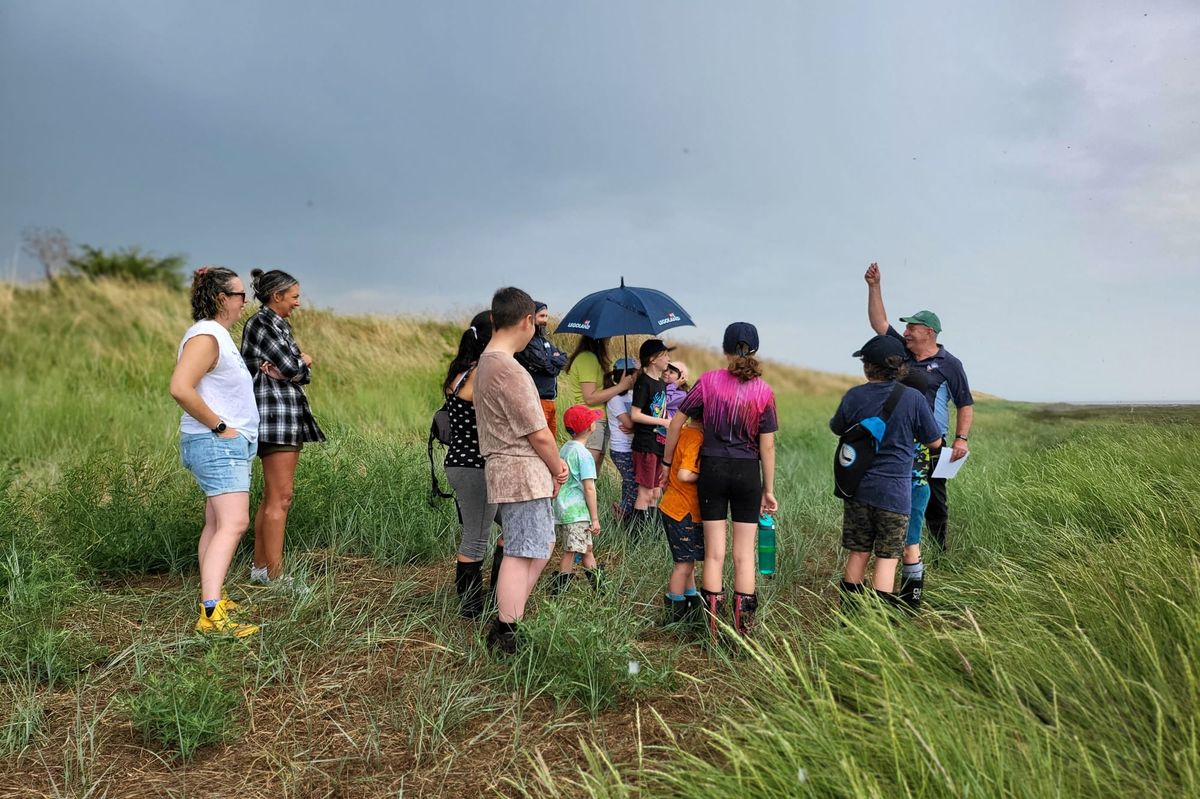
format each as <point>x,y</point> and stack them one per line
<point>376,688</point>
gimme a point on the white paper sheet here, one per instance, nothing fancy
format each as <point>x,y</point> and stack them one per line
<point>945,468</point>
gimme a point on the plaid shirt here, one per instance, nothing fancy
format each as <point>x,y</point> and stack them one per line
<point>284,415</point>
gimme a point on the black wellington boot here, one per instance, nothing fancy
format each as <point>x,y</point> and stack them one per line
<point>497,557</point>
<point>468,582</point>
<point>744,607</point>
<point>676,610</point>
<point>852,594</point>
<point>560,583</point>
<point>502,637</point>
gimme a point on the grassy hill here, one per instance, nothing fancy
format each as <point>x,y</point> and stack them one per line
<point>1057,656</point>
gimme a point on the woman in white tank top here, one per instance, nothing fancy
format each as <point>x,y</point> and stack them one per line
<point>217,434</point>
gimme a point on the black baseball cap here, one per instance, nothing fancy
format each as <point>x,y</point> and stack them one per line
<point>740,333</point>
<point>879,349</point>
<point>650,348</point>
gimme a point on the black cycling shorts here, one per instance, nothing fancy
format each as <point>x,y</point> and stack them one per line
<point>730,487</point>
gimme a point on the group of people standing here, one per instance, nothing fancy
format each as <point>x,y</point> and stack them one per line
<point>692,457</point>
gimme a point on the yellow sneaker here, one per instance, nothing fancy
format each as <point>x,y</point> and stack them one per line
<point>219,622</point>
<point>230,605</point>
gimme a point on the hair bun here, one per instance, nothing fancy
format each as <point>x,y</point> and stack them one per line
<point>255,274</point>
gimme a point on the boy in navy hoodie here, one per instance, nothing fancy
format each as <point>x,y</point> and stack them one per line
<point>875,519</point>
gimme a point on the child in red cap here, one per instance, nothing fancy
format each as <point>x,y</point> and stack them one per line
<point>575,508</point>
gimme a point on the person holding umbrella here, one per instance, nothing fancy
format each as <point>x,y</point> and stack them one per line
<point>585,371</point>
<point>623,311</point>
<point>737,477</point>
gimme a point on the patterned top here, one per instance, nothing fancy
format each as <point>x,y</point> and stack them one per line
<point>570,506</point>
<point>464,435</point>
<point>734,413</point>
<point>285,417</point>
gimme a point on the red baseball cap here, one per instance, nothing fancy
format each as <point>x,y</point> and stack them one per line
<point>579,417</point>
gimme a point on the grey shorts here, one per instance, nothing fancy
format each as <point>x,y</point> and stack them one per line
<point>599,438</point>
<point>528,528</point>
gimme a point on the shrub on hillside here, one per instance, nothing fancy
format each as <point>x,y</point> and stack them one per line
<point>129,263</point>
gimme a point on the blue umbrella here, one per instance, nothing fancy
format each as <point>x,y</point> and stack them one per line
<point>623,311</point>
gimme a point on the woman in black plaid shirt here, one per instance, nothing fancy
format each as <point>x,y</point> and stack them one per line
<point>286,422</point>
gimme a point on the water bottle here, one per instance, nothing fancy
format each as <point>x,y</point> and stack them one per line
<point>766,545</point>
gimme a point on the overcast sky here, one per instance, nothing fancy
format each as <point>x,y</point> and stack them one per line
<point>1029,171</point>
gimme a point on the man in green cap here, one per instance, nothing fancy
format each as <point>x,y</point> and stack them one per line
<point>947,382</point>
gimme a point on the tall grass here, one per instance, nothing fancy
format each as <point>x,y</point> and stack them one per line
<point>1057,657</point>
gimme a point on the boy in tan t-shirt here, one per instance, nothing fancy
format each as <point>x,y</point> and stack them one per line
<point>522,467</point>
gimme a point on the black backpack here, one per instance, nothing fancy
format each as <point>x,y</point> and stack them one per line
<point>858,446</point>
<point>439,431</point>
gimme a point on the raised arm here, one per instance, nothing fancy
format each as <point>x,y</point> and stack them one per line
<point>876,314</point>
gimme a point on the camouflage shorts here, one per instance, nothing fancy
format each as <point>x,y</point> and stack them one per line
<point>869,529</point>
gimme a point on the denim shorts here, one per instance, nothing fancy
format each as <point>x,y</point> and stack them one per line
<point>220,465</point>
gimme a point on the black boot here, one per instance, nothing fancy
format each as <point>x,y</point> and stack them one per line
<point>502,637</point>
<point>468,582</point>
<point>695,607</point>
<point>676,609</point>
<point>596,577</point>
<point>911,589</point>
<point>744,606</point>
<point>560,583</point>
<point>713,603</point>
<point>889,599</point>
<point>851,595</point>
<point>497,557</point>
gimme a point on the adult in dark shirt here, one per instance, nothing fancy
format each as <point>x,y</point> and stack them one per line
<point>544,361</point>
<point>875,520</point>
<point>947,383</point>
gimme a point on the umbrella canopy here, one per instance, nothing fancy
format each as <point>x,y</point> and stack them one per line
<point>624,311</point>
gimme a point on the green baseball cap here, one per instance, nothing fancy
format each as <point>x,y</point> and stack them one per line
<point>927,318</point>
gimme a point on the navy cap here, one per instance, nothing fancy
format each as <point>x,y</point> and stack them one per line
<point>650,348</point>
<point>740,333</point>
<point>879,349</point>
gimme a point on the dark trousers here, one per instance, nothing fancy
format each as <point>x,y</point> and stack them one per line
<point>937,514</point>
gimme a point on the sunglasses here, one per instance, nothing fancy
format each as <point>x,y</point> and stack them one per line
<point>241,294</point>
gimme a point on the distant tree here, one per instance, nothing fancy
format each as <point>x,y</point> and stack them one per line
<point>130,263</point>
<point>50,246</point>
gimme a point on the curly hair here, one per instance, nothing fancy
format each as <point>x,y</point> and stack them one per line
<point>207,283</point>
<point>744,366</point>
<point>894,370</point>
<point>268,284</point>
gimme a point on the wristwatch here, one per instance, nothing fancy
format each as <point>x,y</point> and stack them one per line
<point>960,438</point>
<point>220,428</point>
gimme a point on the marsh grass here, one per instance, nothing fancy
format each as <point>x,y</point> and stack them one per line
<point>1057,656</point>
<point>186,700</point>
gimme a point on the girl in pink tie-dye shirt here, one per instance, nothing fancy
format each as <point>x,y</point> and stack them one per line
<point>737,478</point>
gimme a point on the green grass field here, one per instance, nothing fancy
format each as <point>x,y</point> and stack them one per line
<point>1059,655</point>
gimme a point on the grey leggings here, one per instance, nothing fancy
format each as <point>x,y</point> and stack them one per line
<point>470,493</point>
